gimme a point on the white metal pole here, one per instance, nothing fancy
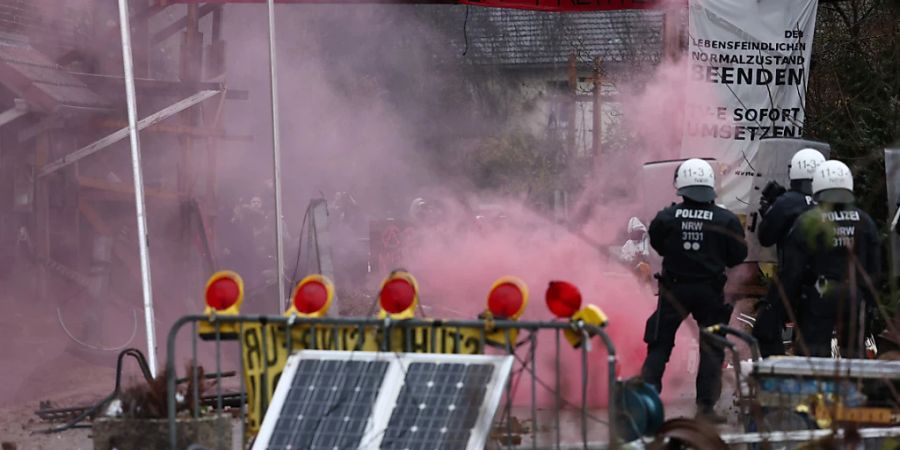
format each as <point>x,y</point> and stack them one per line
<point>143,238</point>
<point>276,160</point>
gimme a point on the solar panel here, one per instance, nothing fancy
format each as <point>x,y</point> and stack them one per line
<point>438,406</point>
<point>331,400</point>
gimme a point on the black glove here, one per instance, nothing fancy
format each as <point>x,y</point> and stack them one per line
<point>770,193</point>
<point>764,207</point>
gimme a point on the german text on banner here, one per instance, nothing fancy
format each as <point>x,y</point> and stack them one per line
<point>748,71</point>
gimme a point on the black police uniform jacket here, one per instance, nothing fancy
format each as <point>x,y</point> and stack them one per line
<point>697,241</point>
<point>777,223</point>
<point>832,242</point>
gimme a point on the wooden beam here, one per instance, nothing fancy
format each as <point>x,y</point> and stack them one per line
<point>197,132</point>
<point>123,133</point>
<point>173,28</point>
<point>169,87</point>
<point>125,188</point>
<point>19,110</point>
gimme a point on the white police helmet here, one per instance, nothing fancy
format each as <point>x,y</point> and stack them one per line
<point>833,183</point>
<point>696,180</point>
<point>804,163</point>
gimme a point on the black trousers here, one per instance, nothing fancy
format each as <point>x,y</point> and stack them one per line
<point>839,309</point>
<point>705,302</point>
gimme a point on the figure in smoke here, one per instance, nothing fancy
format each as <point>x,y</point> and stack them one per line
<point>635,253</point>
<point>779,208</point>
<point>697,241</point>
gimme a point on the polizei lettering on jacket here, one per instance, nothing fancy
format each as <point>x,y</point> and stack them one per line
<point>700,214</point>
<point>837,216</point>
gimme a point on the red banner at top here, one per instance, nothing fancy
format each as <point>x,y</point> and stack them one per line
<point>538,5</point>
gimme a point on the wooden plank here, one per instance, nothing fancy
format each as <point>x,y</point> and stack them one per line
<point>123,133</point>
<point>176,26</point>
<point>19,110</point>
<point>198,132</point>
<point>125,188</point>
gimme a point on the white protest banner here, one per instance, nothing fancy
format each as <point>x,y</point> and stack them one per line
<point>748,70</point>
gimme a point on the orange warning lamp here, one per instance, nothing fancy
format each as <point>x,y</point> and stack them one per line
<point>311,297</point>
<point>563,299</point>
<point>224,294</point>
<point>398,296</point>
<point>508,298</point>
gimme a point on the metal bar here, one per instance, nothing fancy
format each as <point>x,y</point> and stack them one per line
<point>611,368</point>
<point>196,386</point>
<point>534,423</point>
<point>585,342</point>
<point>558,403</point>
<point>218,381</point>
<point>289,335</point>
<point>243,386</point>
<point>805,435</point>
<point>276,162</point>
<point>143,236</point>
<point>170,375</point>
<point>497,324</point>
<point>117,136</point>
<point>509,393</point>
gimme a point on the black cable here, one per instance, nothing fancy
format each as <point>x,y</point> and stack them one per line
<point>300,244</point>
<point>466,31</point>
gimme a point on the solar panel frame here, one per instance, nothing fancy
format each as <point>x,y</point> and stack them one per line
<point>389,391</point>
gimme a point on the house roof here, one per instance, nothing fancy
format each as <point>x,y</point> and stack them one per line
<point>529,38</point>
<point>43,84</point>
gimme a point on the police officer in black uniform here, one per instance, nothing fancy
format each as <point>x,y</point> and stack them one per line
<point>779,210</point>
<point>834,246</point>
<point>697,240</point>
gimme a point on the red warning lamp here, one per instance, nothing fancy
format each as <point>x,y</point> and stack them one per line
<point>508,298</point>
<point>311,297</point>
<point>399,295</point>
<point>563,299</point>
<point>224,292</point>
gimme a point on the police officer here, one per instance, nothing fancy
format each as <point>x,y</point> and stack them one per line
<point>697,240</point>
<point>835,247</point>
<point>778,214</point>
